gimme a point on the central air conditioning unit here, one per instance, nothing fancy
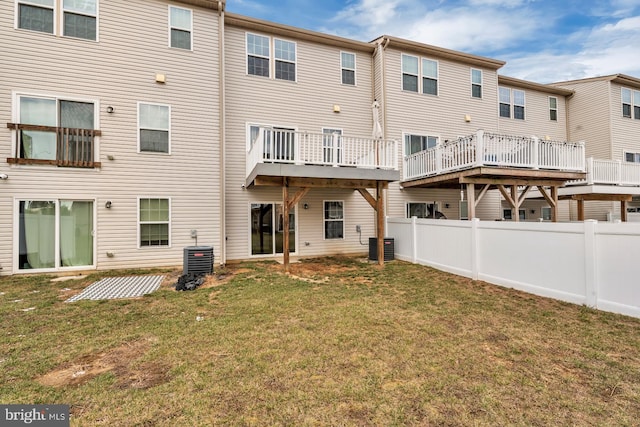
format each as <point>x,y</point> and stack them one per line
<point>198,260</point>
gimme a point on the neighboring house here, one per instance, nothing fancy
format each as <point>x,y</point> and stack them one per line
<point>111,133</point>
<point>605,112</point>
<point>196,126</point>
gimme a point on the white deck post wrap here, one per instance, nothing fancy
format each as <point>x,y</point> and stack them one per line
<point>480,147</point>
<point>475,244</point>
<point>414,240</point>
<point>590,171</point>
<point>590,263</point>
<point>536,148</point>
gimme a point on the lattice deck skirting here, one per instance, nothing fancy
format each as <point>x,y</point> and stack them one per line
<point>119,287</point>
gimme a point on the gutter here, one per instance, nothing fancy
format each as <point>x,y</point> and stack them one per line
<point>223,127</point>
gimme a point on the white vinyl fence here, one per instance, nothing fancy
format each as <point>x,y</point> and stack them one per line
<point>591,263</point>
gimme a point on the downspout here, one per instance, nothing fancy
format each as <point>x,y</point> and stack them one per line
<point>223,127</point>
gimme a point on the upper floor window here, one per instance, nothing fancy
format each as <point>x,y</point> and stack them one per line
<point>631,103</point>
<point>285,54</point>
<point>78,17</point>
<point>180,27</point>
<point>348,68</point>
<point>55,131</point>
<point>154,122</point>
<point>413,68</point>
<point>259,57</point>
<point>476,83</point>
<point>632,157</point>
<point>553,108</point>
<point>36,15</point>
<point>416,143</point>
<point>506,97</point>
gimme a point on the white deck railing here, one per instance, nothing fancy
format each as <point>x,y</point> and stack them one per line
<point>306,148</point>
<point>610,172</point>
<point>490,149</point>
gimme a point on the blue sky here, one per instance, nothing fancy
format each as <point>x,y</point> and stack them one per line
<point>541,40</point>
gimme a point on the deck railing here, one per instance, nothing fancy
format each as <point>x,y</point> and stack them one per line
<point>610,172</point>
<point>491,149</point>
<point>54,145</point>
<point>307,148</point>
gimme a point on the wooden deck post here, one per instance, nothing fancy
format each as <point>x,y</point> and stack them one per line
<point>285,224</point>
<point>554,207</point>
<point>623,211</point>
<point>580,209</point>
<point>471,201</point>
<point>516,206</point>
<point>380,221</point>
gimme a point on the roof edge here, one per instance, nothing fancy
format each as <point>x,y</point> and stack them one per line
<point>525,84</point>
<point>255,24</point>
<point>453,55</point>
<point>616,78</point>
<point>207,4</point>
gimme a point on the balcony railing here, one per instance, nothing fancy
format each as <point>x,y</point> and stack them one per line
<point>52,145</point>
<point>490,149</point>
<point>610,172</point>
<point>306,148</point>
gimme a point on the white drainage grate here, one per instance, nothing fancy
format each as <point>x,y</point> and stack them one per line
<point>119,287</point>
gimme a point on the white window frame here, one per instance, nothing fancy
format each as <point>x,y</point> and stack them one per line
<point>624,90</point>
<point>16,234</point>
<point>552,109</point>
<point>168,129</point>
<point>139,222</point>
<point>16,96</point>
<point>420,134</point>
<point>421,74</point>
<point>544,209</point>
<point>502,89</point>
<point>54,8</point>
<point>636,104</point>
<point>190,29</point>
<point>288,61</point>
<point>523,105</point>
<point>636,156</point>
<point>343,68</point>
<point>271,58</point>
<point>61,24</point>
<point>475,83</point>
<point>324,220</point>
<point>428,207</point>
<point>274,224</point>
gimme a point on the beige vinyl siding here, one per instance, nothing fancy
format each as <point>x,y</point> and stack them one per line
<point>306,105</point>
<point>625,131</point>
<point>589,120</point>
<point>536,117</point>
<point>119,71</point>
<point>442,116</point>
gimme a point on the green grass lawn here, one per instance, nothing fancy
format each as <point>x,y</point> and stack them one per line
<point>337,342</point>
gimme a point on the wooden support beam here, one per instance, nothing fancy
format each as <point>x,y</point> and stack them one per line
<point>482,193</point>
<point>554,207</point>
<point>368,197</point>
<point>297,197</point>
<point>285,224</point>
<point>511,181</point>
<point>623,211</point>
<point>380,221</point>
<point>276,181</point>
<point>523,195</point>
<point>546,195</point>
<point>580,210</point>
<point>471,200</point>
<point>599,197</point>
<point>507,196</point>
<point>516,203</point>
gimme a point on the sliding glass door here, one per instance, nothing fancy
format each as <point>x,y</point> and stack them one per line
<point>267,229</point>
<point>55,234</point>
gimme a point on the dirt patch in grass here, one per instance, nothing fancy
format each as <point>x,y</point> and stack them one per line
<point>120,361</point>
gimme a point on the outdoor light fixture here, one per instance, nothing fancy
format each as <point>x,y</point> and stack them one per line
<point>108,204</point>
<point>110,109</point>
<point>306,206</point>
<point>446,205</point>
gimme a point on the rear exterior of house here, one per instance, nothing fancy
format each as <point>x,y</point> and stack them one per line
<point>293,87</point>
<point>605,112</point>
<point>110,138</point>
